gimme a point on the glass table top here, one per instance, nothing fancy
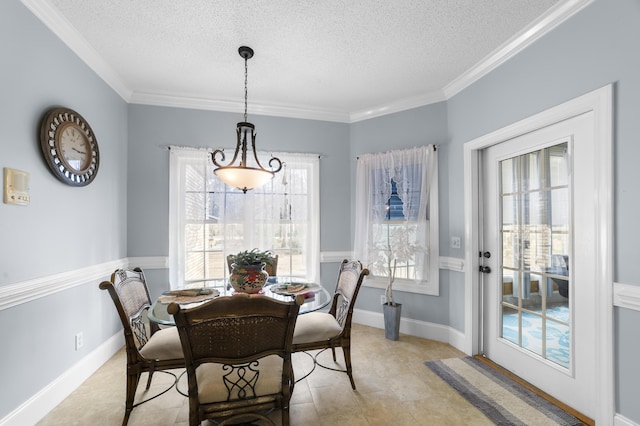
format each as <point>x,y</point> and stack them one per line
<point>316,298</point>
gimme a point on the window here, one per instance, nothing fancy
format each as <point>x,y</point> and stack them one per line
<point>209,220</point>
<point>397,218</point>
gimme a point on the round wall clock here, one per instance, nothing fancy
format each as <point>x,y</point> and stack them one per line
<point>69,146</point>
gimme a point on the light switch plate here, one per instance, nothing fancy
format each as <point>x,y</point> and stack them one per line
<point>455,242</point>
<point>16,187</point>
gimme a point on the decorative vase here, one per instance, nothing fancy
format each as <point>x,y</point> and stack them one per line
<point>249,278</point>
<point>392,320</point>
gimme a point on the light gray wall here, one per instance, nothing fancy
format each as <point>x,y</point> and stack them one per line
<point>153,129</point>
<point>415,127</point>
<point>125,211</point>
<point>598,46</point>
<point>64,228</point>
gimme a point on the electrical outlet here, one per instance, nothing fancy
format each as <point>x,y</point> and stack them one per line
<point>79,340</point>
<point>383,299</point>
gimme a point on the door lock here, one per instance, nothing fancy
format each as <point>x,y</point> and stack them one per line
<point>485,269</point>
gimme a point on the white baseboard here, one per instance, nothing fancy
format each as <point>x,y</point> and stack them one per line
<point>620,420</point>
<point>39,405</point>
<point>426,330</point>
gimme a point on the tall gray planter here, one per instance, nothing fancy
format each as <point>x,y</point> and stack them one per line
<point>392,320</point>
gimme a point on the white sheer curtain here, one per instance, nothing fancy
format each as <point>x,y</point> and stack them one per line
<point>209,220</point>
<point>377,236</point>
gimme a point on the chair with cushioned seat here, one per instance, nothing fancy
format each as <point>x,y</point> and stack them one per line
<point>238,356</point>
<point>149,348</point>
<point>320,330</point>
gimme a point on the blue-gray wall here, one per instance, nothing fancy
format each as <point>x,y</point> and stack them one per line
<point>64,228</point>
<point>416,127</point>
<point>598,46</point>
<point>124,213</point>
<point>153,129</point>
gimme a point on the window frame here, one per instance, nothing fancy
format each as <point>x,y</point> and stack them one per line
<point>181,159</point>
<point>430,285</point>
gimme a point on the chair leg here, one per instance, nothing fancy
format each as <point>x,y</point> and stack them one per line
<point>347,360</point>
<point>194,413</point>
<point>151,370</point>
<point>333,351</point>
<point>132,385</point>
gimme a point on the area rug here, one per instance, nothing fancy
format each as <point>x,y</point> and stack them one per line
<point>502,400</point>
<point>556,334</point>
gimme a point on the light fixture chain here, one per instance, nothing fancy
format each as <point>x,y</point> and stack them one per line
<point>245,88</point>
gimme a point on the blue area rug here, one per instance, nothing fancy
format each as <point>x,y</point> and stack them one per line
<point>558,339</point>
<point>499,398</point>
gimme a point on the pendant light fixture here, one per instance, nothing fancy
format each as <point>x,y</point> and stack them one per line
<point>243,176</point>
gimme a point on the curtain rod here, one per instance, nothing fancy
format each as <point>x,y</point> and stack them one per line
<point>435,148</point>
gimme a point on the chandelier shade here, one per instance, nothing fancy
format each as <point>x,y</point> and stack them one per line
<point>243,176</point>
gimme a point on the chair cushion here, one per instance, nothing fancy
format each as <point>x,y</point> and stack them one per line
<point>164,344</point>
<point>211,387</point>
<point>315,327</point>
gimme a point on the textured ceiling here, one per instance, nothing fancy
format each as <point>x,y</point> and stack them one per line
<point>341,58</point>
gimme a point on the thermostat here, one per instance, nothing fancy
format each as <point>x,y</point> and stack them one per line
<point>16,187</point>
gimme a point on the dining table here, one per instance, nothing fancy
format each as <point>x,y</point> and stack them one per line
<point>315,296</point>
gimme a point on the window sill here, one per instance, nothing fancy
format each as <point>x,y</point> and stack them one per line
<point>403,285</point>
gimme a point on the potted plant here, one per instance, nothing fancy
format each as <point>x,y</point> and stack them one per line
<point>399,248</point>
<point>248,274</point>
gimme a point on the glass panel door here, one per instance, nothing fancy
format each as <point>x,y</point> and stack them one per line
<point>535,212</point>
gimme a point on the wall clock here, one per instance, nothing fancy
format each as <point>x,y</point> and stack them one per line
<point>69,146</point>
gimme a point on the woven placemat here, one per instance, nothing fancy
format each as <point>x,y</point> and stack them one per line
<point>183,300</point>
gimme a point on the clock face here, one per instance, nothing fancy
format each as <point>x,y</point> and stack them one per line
<point>69,147</point>
<point>75,147</point>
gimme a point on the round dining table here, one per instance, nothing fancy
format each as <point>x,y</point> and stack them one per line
<point>316,297</point>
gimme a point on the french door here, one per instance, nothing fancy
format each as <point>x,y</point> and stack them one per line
<point>538,259</point>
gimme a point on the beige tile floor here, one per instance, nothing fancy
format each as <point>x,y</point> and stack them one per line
<point>393,388</point>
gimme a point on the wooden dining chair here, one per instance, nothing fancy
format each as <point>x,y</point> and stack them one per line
<point>149,348</point>
<point>238,356</point>
<point>320,330</point>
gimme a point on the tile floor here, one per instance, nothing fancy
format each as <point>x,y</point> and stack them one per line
<point>393,388</point>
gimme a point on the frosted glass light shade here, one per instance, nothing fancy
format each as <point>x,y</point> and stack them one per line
<point>243,178</point>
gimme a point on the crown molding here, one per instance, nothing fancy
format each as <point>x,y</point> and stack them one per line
<point>66,32</point>
<point>547,22</point>
<point>290,111</point>
<point>61,27</point>
<point>398,106</point>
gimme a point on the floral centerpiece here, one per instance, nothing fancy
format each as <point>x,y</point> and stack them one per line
<point>248,274</point>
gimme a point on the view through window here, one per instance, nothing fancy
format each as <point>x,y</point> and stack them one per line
<point>210,220</point>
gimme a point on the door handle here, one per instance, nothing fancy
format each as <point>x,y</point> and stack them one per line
<point>485,269</point>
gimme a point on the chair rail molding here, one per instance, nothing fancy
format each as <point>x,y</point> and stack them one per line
<point>27,291</point>
<point>335,256</point>
<point>626,296</point>
<point>452,263</point>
